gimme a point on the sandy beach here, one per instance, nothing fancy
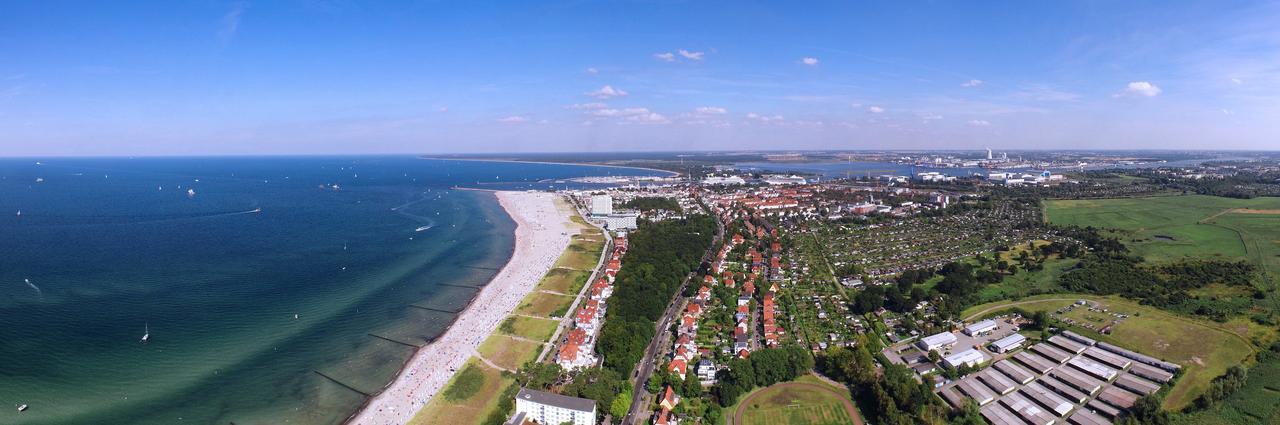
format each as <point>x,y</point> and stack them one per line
<point>542,234</point>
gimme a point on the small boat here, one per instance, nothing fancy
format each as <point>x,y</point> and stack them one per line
<point>19,213</point>
<point>257,210</point>
<point>295,316</point>
<point>22,407</point>
<point>191,193</point>
<point>421,229</point>
<point>146,335</point>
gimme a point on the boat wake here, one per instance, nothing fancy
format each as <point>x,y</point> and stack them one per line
<point>427,222</point>
<point>39,293</point>
<point>40,219</point>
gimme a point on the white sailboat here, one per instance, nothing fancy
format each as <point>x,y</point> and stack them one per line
<point>146,335</point>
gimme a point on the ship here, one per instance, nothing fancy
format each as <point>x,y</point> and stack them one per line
<point>146,335</point>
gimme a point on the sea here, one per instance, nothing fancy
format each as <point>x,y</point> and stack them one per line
<point>273,290</point>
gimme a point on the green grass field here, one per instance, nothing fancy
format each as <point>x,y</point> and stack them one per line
<point>1204,349</point>
<point>1027,283</point>
<point>564,281</point>
<point>1258,403</point>
<point>508,352</point>
<point>474,405</point>
<point>528,327</point>
<point>542,304</point>
<point>583,253</point>
<point>779,405</point>
<point>1168,228</point>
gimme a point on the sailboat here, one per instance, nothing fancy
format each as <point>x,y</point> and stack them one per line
<point>146,336</point>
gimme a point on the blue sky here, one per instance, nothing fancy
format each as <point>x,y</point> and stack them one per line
<point>280,77</point>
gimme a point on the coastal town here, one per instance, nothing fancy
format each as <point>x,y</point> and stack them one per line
<point>831,285</point>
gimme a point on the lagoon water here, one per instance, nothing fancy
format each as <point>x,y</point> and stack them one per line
<point>105,248</point>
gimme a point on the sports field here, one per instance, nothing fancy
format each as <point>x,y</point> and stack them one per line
<point>807,400</point>
<point>1204,349</point>
<point>1173,227</point>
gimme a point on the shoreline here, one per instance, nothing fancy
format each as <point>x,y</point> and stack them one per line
<point>541,235</point>
<point>582,164</point>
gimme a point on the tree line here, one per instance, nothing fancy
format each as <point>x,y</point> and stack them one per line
<point>659,256</point>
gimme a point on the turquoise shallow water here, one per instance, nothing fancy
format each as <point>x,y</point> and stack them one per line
<point>111,246</point>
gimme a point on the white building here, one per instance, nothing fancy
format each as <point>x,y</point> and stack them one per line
<point>784,180</point>
<point>706,372</point>
<point>723,181</point>
<point>937,342</point>
<point>1008,343</point>
<point>601,205</point>
<point>621,221</point>
<point>551,408</point>
<point>970,357</point>
<point>980,328</point>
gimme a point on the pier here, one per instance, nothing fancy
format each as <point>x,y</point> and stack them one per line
<point>340,383</point>
<point>395,341</point>
<point>438,310</point>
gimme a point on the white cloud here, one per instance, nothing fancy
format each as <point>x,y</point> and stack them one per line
<point>230,22</point>
<point>928,116</point>
<point>875,109</point>
<point>697,56</point>
<point>607,92</point>
<point>641,115</point>
<point>514,119</point>
<point>665,56</point>
<point>444,109</point>
<point>592,71</point>
<point>1045,93</point>
<point>1237,81</point>
<point>979,123</point>
<point>589,106</point>
<point>710,110</point>
<point>1140,88</point>
<point>971,83</point>
<point>764,119</point>
<point>809,61</point>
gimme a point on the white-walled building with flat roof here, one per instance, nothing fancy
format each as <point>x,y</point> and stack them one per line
<point>552,408</point>
<point>980,328</point>
<point>601,205</point>
<point>1008,343</point>
<point>970,357</point>
<point>937,342</point>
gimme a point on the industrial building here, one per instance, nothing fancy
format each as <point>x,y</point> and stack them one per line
<point>1008,343</point>
<point>937,342</point>
<point>971,357</point>
<point>980,328</point>
<point>1062,381</point>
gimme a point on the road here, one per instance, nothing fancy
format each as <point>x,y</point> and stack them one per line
<point>638,412</point>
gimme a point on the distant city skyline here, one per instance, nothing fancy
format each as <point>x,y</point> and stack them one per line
<point>334,77</point>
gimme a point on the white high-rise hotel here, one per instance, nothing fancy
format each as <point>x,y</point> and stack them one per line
<point>601,205</point>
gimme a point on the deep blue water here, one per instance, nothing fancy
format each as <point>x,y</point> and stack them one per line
<point>111,246</point>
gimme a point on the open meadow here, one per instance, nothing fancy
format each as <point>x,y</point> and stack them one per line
<point>1169,228</point>
<point>1258,403</point>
